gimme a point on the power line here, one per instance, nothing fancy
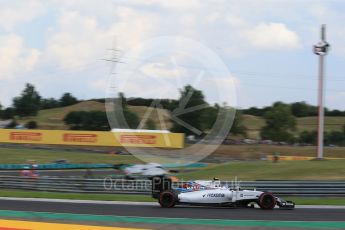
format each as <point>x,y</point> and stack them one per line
<point>244,72</point>
<point>286,87</point>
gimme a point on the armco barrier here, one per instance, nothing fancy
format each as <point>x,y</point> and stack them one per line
<point>122,186</point>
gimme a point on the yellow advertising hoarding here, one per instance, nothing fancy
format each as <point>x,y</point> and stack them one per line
<point>93,138</point>
<point>298,158</point>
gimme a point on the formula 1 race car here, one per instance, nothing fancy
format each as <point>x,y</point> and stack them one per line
<point>213,194</point>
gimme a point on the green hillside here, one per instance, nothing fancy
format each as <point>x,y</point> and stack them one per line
<point>254,124</point>
<point>53,118</point>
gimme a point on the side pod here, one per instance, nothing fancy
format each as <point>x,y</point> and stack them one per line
<point>159,185</point>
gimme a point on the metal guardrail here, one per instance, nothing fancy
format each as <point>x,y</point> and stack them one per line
<point>299,188</point>
<point>77,185</point>
<point>122,186</point>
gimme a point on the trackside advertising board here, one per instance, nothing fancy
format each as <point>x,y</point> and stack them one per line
<point>299,158</point>
<point>67,137</point>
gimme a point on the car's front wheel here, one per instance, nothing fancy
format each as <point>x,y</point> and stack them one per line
<point>267,201</point>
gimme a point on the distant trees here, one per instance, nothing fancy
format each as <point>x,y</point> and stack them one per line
<point>67,99</point>
<point>49,103</point>
<point>280,123</point>
<point>280,117</point>
<point>308,137</point>
<point>169,104</point>
<point>131,118</point>
<point>194,113</point>
<point>28,103</point>
<point>189,98</point>
<point>298,109</point>
<point>8,113</point>
<point>302,109</point>
<point>238,128</point>
<point>256,111</point>
<point>335,138</point>
<point>330,137</point>
<point>334,113</point>
<point>83,120</point>
<point>209,116</point>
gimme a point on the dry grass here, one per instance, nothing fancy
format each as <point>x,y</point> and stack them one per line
<point>254,124</point>
<point>142,110</point>
<point>53,118</point>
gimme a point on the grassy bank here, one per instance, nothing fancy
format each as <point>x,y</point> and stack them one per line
<point>22,155</point>
<point>263,170</point>
<point>73,196</point>
<point>53,118</point>
<point>244,170</point>
<point>254,124</point>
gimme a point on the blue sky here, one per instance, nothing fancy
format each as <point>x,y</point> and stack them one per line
<point>266,45</point>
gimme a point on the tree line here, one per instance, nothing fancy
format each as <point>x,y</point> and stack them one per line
<point>30,102</point>
<point>280,118</point>
<point>280,125</point>
<point>202,119</point>
<point>298,109</point>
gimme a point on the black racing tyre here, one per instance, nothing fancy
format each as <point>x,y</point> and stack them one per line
<point>167,199</point>
<point>267,201</point>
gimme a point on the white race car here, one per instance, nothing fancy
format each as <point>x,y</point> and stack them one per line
<point>213,195</point>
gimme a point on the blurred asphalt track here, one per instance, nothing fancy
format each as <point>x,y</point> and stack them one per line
<point>150,215</point>
<point>153,210</point>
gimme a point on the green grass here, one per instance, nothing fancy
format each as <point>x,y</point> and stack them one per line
<point>263,170</point>
<point>145,198</point>
<point>74,196</point>
<point>244,170</point>
<point>22,155</point>
<point>317,200</point>
<point>256,151</point>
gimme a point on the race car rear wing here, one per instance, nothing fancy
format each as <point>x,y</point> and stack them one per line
<point>160,184</point>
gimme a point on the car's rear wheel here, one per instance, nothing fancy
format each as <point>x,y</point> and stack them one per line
<point>267,201</point>
<point>167,199</point>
